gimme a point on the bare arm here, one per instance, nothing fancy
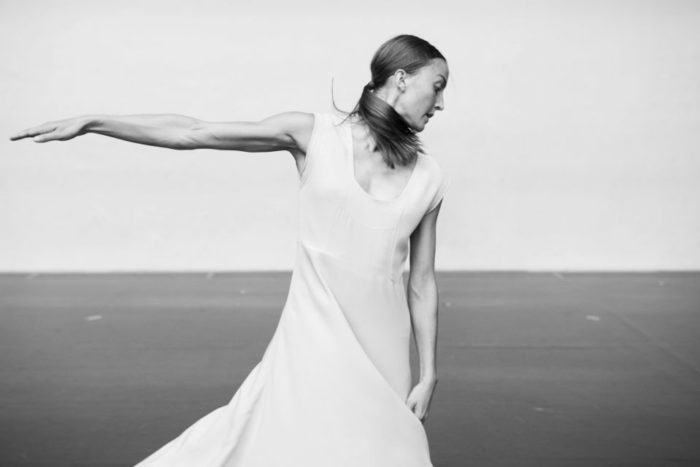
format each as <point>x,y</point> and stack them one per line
<point>286,131</point>
<point>423,306</point>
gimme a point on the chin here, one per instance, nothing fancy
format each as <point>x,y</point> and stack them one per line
<point>417,126</point>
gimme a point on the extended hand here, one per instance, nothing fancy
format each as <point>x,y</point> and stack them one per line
<point>59,130</point>
<point>419,398</point>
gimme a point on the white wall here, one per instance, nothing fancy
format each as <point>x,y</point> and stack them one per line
<point>571,129</point>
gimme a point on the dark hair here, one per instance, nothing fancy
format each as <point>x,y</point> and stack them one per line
<point>398,143</point>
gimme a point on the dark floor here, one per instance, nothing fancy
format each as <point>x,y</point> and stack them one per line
<point>536,370</point>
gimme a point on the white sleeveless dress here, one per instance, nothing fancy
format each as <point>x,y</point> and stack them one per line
<point>331,388</point>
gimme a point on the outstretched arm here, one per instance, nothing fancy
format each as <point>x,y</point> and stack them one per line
<point>286,131</point>
<point>423,306</point>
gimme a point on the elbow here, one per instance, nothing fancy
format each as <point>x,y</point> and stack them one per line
<point>185,140</point>
<point>423,285</point>
<point>421,276</point>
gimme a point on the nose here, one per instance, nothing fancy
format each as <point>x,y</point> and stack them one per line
<point>440,102</point>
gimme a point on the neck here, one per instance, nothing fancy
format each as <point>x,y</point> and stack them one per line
<point>364,136</point>
<point>388,94</point>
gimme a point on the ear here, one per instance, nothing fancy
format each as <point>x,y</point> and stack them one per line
<point>400,79</point>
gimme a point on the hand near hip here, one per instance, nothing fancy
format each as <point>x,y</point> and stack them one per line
<point>419,398</point>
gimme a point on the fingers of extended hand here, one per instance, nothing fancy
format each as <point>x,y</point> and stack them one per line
<point>20,135</point>
<point>46,136</point>
<point>34,132</point>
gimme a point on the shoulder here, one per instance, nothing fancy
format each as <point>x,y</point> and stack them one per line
<point>327,125</point>
<point>296,125</point>
<point>293,122</point>
<point>309,120</point>
<point>334,118</point>
<point>434,173</point>
<point>436,181</point>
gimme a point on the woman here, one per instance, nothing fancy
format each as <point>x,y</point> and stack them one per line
<point>333,387</point>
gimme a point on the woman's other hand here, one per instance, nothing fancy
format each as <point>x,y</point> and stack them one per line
<point>419,398</point>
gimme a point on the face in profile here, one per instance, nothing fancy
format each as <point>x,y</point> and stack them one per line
<point>423,94</point>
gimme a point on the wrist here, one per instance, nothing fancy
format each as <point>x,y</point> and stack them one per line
<point>428,378</point>
<point>89,123</point>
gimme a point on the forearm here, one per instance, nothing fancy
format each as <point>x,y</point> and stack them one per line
<point>163,130</point>
<point>423,306</point>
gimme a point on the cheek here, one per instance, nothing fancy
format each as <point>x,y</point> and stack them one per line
<point>415,105</point>
<point>427,99</point>
<point>421,102</point>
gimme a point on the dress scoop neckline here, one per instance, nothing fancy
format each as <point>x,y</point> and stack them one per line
<point>351,171</point>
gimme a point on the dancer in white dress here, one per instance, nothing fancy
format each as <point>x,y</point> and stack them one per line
<point>333,387</point>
